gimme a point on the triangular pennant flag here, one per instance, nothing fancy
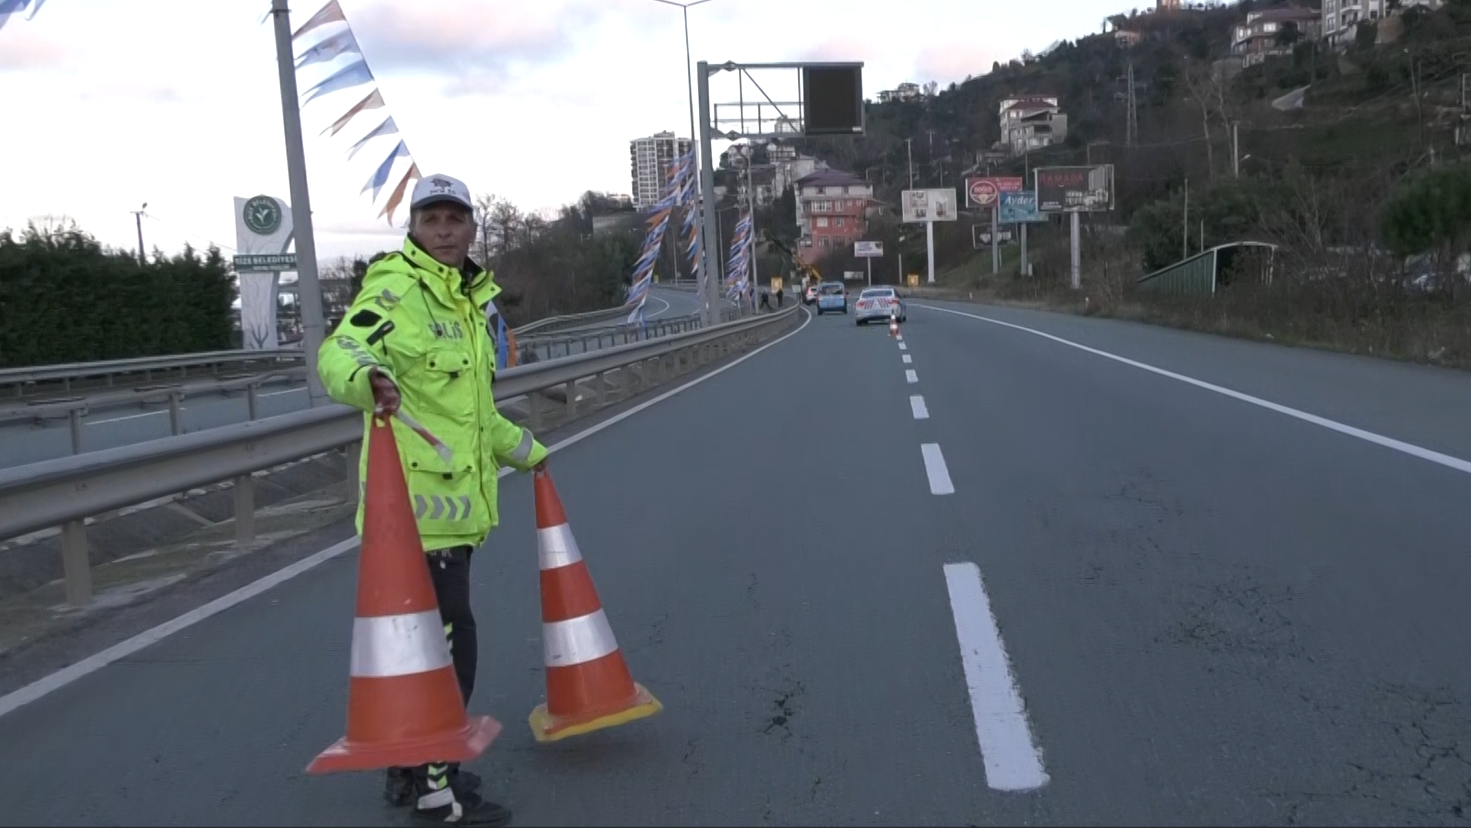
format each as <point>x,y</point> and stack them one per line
<point>398,193</point>
<point>388,127</point>
<point>330,48</point>
<point>330,13</point>
<point>373,101</point>
<point>353,74</point>
<point>380,175</point>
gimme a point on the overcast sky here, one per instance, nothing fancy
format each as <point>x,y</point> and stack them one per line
<point>112,103</point>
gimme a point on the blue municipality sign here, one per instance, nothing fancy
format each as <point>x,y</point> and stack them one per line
<point>1019,207</point>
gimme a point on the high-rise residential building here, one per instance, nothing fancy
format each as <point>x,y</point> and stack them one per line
<point>648,161</point>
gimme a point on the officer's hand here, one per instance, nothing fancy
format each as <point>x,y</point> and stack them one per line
<point>385,393</point>
<point>540,467</point>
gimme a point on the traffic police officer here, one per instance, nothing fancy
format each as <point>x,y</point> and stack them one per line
<point>420,337</point>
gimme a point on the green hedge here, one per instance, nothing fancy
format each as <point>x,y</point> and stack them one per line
<point>64,298</point>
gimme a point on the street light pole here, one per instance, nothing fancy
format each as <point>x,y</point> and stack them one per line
<point>308,294</point>
<point>138,216</point>
<point>710,309</point>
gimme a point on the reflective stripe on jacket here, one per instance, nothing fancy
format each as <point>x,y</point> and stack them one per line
<point>427,327</point>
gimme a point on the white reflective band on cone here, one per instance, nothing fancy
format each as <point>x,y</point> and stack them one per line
<point>577,640</point>
<point>386,646</point>
<point>556,548</point>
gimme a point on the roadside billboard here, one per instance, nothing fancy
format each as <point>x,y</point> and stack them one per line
<point>868,249</point>
<point>983,191</point>
<point>1020,207</point>
<point>1074,189</point>
<point>923,206</point>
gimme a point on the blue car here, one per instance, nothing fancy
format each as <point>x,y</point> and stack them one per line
<point>831,296</point>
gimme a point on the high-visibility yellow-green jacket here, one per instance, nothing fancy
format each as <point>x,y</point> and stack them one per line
<point>427,327</point>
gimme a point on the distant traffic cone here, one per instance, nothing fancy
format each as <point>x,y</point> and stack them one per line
<point>403,702</point>
<point>893,326</point>
<point>588,684</point>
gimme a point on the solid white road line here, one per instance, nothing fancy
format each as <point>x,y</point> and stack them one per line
<point>1368,436</point>
<point>1009,751</point>
<point>123,649</point>
<point>916,404</point>
<point>935,469</point>
<point>911,376</point>
<point>908,359</point>
<point>91,664</point>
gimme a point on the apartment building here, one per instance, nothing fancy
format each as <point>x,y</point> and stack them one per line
<point>648,160</point>
<point>1031,122</point>
<point>1259,37</point>
<point>832,210</point>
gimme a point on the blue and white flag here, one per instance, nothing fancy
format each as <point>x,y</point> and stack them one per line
<point>380,176</point>
<point>329,49</point>
<point>354,74</point>
<point>9,7</point>
<point>388,127</point>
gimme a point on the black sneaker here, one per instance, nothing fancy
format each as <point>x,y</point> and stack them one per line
<point>398,787</point>
<point>463,782</point>
<point>469,809</point>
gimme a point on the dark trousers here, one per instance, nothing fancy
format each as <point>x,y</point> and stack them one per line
<point>449,570</point>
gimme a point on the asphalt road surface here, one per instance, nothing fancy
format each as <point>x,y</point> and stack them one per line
<point>978,576</point>
<point>22,443</point>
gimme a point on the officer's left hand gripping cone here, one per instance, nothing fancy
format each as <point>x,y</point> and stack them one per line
<point>404,706</point>
<point>588,684</point>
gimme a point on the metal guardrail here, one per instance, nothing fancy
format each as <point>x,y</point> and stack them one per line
<point>106,371</point>
<point>66,491</point>
<point>76,371</point>
<point>553,323</point>
<point>274,367</point>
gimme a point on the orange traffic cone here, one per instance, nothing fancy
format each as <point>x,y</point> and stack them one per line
<point>403,706</point>
<point>588,684</point>
<point>893,326</point>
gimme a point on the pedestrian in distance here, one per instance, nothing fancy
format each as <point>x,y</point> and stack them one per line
<point>420,339</point>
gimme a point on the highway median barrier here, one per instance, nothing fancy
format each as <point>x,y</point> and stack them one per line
<point>200,500</point>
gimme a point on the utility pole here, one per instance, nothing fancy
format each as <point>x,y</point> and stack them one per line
<point>1236,148</point>
<point>751,205</point>
<point>308,294</point>
<point>909,146</point>
<point>138,215</point>
<point>1185,225</point>
<point>1132,128</point>
<point>710,240</point>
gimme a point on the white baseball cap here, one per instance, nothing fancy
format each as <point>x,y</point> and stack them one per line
<point>437,188</point>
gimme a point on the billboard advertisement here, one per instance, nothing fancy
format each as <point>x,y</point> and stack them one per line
<point>922,206</point>
<point>1074,189</point>
<point>983,191</point>
<point>1020,207</point>
<point>868,250</point>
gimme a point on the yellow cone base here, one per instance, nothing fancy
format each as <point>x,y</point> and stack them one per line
<point>548,728</point>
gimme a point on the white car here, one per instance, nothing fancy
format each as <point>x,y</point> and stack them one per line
<point>879,303</point>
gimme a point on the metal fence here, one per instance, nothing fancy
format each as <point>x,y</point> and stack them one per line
<point>67,491</point>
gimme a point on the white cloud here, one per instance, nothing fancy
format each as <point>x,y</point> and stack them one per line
<point>534,100</point>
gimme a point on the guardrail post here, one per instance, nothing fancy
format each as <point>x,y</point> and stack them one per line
<point>75,416</point>
<point>176,420</point>
<point>532,414</point>
<point>602,381</point>
<point>571,398</point>
<point>251,401</point>
<point>245,508</point>
<point>75,565</point>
